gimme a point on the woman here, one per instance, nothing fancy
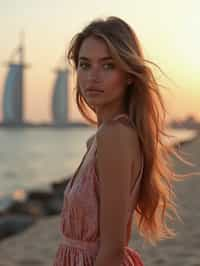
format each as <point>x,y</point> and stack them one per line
<point>124,173</point>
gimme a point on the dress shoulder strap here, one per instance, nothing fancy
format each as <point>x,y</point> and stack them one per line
<point>90,140</point>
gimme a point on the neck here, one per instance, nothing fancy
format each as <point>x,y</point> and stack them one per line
<point>108,117</point>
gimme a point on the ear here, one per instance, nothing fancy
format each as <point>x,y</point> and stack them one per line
<point>129,79</point>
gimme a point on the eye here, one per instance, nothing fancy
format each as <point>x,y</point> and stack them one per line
<point>83,65</point>
<point>108,66</point>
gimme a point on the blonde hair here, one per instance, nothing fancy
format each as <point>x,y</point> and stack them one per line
<point>147,111</point>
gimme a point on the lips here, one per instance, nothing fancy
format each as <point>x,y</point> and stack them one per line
<point>94,90</point>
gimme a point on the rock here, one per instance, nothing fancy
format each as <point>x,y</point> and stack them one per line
<point>14,224</point>
<point>34,208</point>
<point>5,202</point>
<point>39,195</point>
<point>54,206</point>
<point>59,187</point>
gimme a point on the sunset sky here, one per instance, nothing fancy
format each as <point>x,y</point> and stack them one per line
<point>169,32</point>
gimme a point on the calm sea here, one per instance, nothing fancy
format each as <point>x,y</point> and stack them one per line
<point>33,158</point>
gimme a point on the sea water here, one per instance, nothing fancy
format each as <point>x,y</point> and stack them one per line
<point>32,158</point>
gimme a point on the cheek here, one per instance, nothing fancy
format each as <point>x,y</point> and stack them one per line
<point>115,81</point>
<point>82,81</point>
<point>81,78</point>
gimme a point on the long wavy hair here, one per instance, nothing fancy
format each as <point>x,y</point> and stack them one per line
<point>147,111</point>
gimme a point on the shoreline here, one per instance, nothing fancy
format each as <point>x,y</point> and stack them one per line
<point>23,248</point>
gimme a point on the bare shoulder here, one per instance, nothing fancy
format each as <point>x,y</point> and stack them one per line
<point>116,137</point>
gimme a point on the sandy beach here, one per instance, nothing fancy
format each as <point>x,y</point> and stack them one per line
<point>38,244</point>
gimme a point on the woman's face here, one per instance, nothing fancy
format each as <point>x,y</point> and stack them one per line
<point>100,80</point>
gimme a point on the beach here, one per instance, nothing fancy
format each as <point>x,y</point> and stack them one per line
<point>38,244</point>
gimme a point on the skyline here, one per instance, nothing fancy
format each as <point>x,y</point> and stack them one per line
<point>175,46</point>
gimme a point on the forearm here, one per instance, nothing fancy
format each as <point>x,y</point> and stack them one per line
<point>111,258</point>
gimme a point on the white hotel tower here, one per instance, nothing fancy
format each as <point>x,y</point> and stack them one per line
<point>13,93</point>
<point>59,104</point>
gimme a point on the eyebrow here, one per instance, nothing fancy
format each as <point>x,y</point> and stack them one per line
<point>101,59</point>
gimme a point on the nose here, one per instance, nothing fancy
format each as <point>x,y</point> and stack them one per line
<point>94,74</point>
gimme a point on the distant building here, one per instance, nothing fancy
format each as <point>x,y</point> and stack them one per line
<point>189,122</point>
<point>14,89</point>
<point>59,105</point>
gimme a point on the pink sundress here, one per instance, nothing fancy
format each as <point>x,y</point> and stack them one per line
<point>79,226</point>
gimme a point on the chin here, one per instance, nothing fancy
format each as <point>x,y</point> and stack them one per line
<point>94,102</point>
<point>97,102</point>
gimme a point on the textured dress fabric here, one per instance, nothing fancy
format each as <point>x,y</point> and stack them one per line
<point>80,216</point>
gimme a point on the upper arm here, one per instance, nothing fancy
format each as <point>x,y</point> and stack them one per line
<point>114,163</point>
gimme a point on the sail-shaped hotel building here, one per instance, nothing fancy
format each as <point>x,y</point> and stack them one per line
<point>13,94</point>
<point>60,101</point>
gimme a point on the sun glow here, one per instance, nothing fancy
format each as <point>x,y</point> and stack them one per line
<point>191,43</point>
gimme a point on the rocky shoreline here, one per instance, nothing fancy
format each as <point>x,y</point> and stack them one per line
<point>20,215</point>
